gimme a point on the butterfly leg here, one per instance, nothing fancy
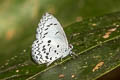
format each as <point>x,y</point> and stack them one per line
<point>61,58</point>
<point>49,63</point>
<point>71,37</point>
<point>73,54</point>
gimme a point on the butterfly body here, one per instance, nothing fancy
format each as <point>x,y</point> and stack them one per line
<point>51,42</point>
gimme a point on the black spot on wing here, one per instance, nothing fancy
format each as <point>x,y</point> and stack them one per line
<point>49,41</point>
<point>43,46</point>
<point>43,36</point>
<point>57,46</point>
<point>41,57</point>
<point>55,24</point>
<point>40,61</point>
<point>46,57</point>
<point>37,41</point>
<point>41,42</point>
<point>48,44</point>
<point>55,51</point>
<point>65,50</point>
<point>36,57</point>
<point>47,53</point>
<point>50,58</point>
<point>57,32</point>
<point>51,23</point>
<point>38,53</point>
<point>49,49</point>
<point>43,49</point>
<point>48,25</point>
<point>34,52</point>
<point>46,33</point>
<point>46,29</point>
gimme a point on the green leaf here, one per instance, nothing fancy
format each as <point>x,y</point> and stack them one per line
<point>96,41</point>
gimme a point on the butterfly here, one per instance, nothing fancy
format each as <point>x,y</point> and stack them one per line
<point>51,42</point>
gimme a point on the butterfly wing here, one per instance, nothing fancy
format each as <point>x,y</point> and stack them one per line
<point>49,27</point>
<point>51,42</point>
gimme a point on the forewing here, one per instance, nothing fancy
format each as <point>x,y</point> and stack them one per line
<point>49,27</point>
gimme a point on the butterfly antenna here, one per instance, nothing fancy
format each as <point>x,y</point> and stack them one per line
<point>71,37</point>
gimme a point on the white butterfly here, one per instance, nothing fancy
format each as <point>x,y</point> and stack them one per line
<point>51,42</point>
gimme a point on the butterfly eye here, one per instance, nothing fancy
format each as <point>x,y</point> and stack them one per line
<point>70,45</point>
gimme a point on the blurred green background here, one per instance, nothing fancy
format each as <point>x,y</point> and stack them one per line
<point>19,19</point>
